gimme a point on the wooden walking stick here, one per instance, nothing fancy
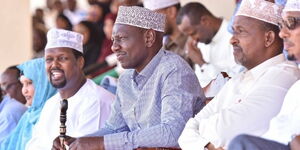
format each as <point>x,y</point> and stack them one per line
<point>63,119</point>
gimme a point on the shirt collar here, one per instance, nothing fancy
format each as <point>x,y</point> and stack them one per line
<point>149,68</point>
<point>261,68</point>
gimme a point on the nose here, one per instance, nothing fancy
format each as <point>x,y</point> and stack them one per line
<point>24,89</point>
<point>55,64</point>
<point>115,47</point>
<point>233,40</point>
<point>284,33</point>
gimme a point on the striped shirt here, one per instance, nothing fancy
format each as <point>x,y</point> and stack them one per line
<point>152,106</point>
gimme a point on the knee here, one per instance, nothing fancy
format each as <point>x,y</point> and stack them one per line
<point>239,142</point>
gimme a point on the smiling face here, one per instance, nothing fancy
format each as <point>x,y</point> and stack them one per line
<point>63,69</point>
<point>27,89</point>
<point>247,41</point>
<point>130,46</point>
<point>291,37</point>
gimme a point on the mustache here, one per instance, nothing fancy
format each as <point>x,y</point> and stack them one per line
<point>56,69</point>
<point>236,47</point>
<point>288,42</point>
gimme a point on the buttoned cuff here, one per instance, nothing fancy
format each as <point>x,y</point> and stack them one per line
<point>117,141</point>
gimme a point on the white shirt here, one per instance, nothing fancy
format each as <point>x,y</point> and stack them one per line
<point>219,56</point>
<point>245,104</point>
<point>11,111</point>
<point>87,111</point>
<point>287,123</point>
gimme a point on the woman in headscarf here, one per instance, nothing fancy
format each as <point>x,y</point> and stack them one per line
<point>35,71</point>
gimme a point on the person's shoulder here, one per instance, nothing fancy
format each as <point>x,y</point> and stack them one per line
<point>287,67</point>
<point>52,100</point>
<point>94,91</point>
<point>13,106</point>
<point>171,61</point>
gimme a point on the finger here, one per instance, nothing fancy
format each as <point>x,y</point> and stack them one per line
<point>69,140</point>
<point>56,144</point>
<point>72,146</point>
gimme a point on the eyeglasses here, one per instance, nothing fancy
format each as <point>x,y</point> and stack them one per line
<point>8,86</point>
<point>291,23</point>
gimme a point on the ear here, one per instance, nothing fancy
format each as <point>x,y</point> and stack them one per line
<point>204,20</point>
<point>269,38</point>
<point>80,62</point>
<point>150,37</point>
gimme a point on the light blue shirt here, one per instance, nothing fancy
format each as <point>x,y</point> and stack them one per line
<point>152,106</point>
<point>10,113</point>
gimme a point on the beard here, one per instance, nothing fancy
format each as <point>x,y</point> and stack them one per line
<point>59,84</point>
<point>291,57</point>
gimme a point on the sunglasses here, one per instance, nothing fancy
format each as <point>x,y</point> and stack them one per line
<point>291,23</point>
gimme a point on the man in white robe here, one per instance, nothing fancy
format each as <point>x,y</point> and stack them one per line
<point>248,102</point>
<point>284,130</point>
<point>88,103</point>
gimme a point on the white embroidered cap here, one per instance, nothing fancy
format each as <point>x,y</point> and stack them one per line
<point>159,4</point>
<point>262,10</point>
<point>64,38</point>
<point>292,5</point>
<point>141,17</point>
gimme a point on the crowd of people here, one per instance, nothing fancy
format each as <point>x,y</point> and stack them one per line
<point>156,75</point>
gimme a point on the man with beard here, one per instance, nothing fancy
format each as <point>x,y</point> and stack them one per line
<point>248,102</point>
<point>88,104</point>
<point>174,40</point>
<point>284,130</point>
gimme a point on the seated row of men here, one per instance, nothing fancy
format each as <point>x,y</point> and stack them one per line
<point>159,101</point>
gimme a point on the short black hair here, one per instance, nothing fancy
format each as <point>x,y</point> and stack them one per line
<point>194,11</point>
<point>14,67</point>
<point>67,20</point>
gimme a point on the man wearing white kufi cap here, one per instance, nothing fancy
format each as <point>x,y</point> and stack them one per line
<point>88,103</point>
<point>247,102</point>
<point>174,40</point>
<point>284,130</point>
<point>155,95</point>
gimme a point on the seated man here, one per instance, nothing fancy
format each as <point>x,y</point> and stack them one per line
<point>208,45</point>
<point>157,93</point>
<point>284,131</point>
<point>12,105</point>
<point>88,103</point>
<point>10,84</point>
<point>247,102</point>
